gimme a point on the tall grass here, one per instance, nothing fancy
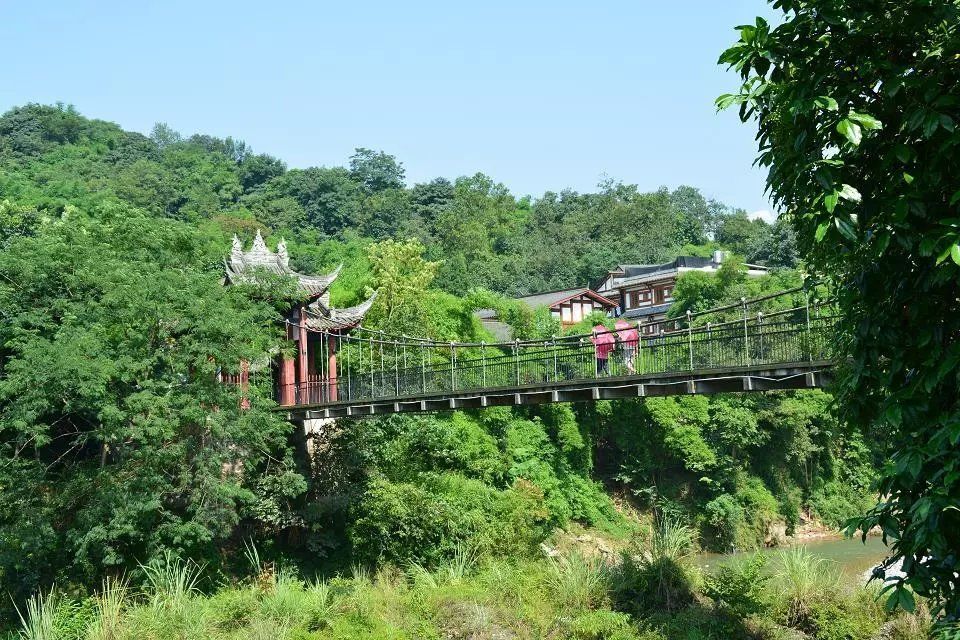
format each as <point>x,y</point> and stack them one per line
<point>322,606</point>
<point>38,622</point>
<point>287,600</point>
<point>667,566</point>
<point>172,580</point>
<point>110,603</point>
<point>672,541</point>
<point>452,572</point>
<point>578,582</point>
<point>803,578</point>
<point>658,574</point>
<point>252,555</point>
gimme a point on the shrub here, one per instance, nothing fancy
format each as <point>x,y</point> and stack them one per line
<point>232,609</point>
<point>427,522</point>
<point>836,502</point>
<point>400,521</point>
<point>843,617</point>
<point>740,588</point>
<point>760,508</point>
<point>602,625</point>
<point>725,517</point>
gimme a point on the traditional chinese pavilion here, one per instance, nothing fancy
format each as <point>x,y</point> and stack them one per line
<point>314,325</point>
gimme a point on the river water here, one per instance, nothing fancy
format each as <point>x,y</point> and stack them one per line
<point>851,556</point>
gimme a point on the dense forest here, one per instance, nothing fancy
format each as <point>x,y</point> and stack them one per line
<point>119,448</point>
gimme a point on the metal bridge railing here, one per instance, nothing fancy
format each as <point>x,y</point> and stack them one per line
<point>374,367</point>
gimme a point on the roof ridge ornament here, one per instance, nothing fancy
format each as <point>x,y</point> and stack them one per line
<point>259,244</point>
<point>236,252</point>
<point>282,254</point>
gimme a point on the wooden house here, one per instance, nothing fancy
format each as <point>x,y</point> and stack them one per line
<point>569,306</point>
<point>642,293</point>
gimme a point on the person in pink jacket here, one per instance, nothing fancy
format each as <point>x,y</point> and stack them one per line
<point>603,343</point>
<point>629,340</point>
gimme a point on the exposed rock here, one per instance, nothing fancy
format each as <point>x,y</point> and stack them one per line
<point>776,534</point>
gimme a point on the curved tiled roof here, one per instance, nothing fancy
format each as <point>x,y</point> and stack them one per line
<point>242,266</point>
<point>323,319</point>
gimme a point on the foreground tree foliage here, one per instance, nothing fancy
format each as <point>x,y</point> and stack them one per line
<point>117,439</point>
<point>858,106</point>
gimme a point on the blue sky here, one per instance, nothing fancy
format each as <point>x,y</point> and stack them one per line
<point>539,95</point>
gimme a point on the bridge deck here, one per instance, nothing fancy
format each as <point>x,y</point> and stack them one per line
<point>794,375</point>
<point>787,350</point>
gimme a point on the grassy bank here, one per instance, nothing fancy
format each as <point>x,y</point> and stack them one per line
<point>651,591</point>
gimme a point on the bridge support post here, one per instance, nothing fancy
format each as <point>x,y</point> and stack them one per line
<point>746,344</point>
<point>483,368</point>
<point>516,352</point>
<point>453,367</point>
<point>423,367</point>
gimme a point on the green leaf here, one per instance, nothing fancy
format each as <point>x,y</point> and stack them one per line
<point>850,130</point>
<point>948,250</point>
<point>830,201</point>
<point>955,198</point>
<point>846,228</point>
<point>849,193</point>
<point>865,120</point>
<point>902,152</point>
<point>907,178</point>
<point>955,254</point>
<point>822,229</point>
<point>826,102</point>
<point>883,241</point>
<point>904,599</point>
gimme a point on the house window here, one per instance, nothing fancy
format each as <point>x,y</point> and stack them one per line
<point>640,298</point>
<point>664,294</point>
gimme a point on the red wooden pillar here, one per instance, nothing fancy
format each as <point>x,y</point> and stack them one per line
<point>303,358</point>
<point>288,376</point>
<point>287,382</point>
<point>332,367</point>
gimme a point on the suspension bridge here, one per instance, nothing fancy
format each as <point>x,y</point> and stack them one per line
<point>733,348</point>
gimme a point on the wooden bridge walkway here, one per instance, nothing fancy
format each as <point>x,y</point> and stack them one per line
<point>375,373</point>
